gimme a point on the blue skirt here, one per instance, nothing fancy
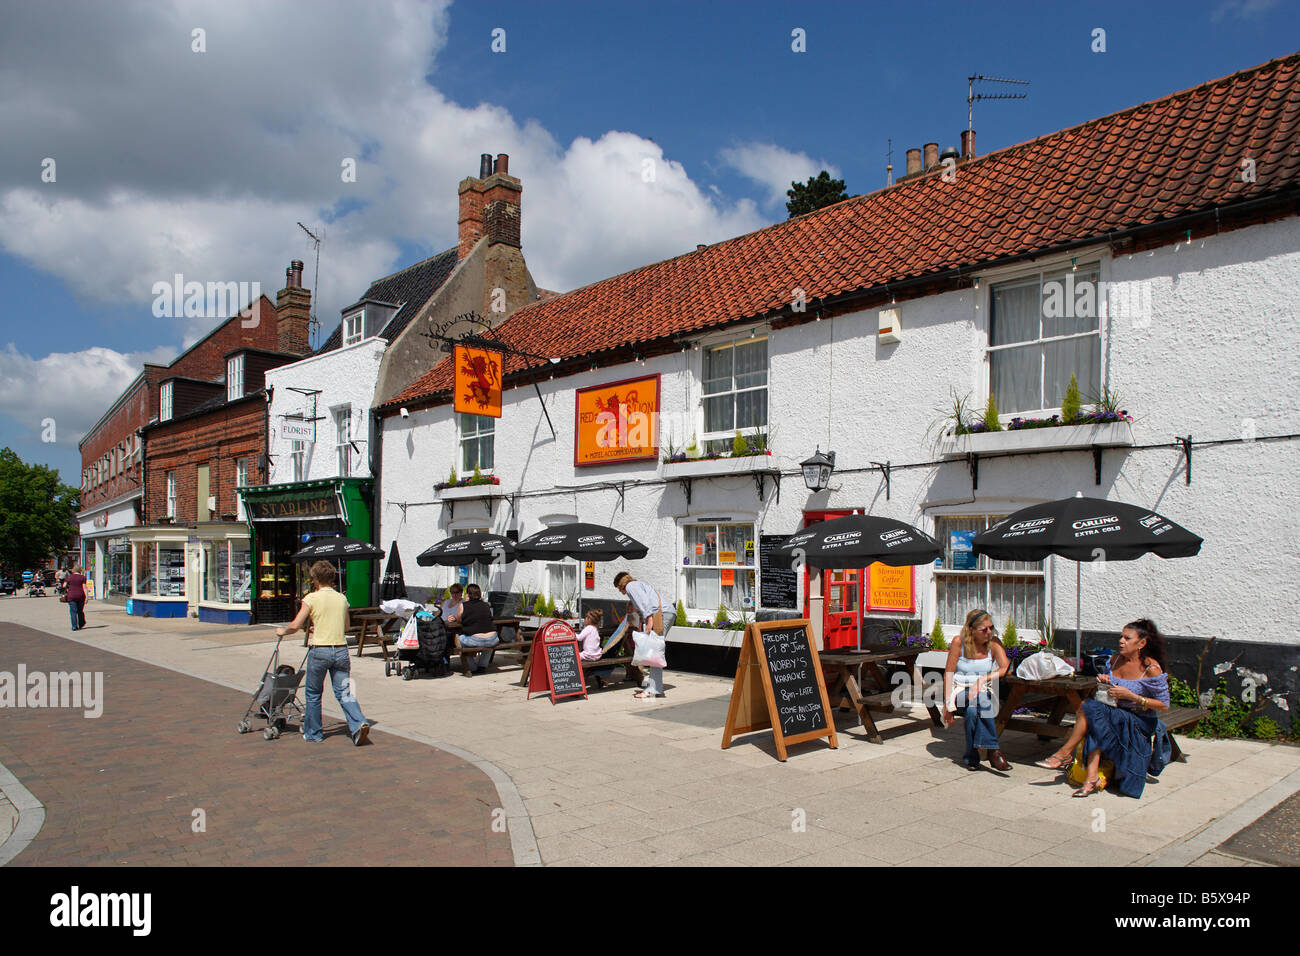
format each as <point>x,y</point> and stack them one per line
<point>1124,738</point>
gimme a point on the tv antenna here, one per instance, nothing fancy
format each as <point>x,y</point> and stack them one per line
<point>972,96</point>
<point>313,323</point>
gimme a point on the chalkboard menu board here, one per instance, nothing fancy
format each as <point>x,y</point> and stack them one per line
<point>779,585</point>
<point>566,670</point>
<point>795,684</point>
<point>779,685</point>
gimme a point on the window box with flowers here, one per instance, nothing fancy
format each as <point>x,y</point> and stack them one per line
<point>747,454</point>
<point>477,485</point>
<point>1105,425</point>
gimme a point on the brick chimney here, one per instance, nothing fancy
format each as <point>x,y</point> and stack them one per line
<point>489,206</point>
<point>931,156</point>
<point>293,312</point>
<point>913,162</point>
<point>968,144</point>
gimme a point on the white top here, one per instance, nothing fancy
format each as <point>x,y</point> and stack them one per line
<point>645,600</point>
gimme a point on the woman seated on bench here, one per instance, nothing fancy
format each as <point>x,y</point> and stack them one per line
<point>589,643</point>
<point>1140,689</point>
<point>476,628</point>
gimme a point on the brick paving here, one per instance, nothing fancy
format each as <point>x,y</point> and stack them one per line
<point>123,788</point>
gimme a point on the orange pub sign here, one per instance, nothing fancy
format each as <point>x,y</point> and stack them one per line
<point>617,421</point>
<point>478,381</point>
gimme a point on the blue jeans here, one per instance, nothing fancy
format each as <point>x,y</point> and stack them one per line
<point>978,717</point>
<point>478,661</point>
<point>656,676</point>
<point>78,615</point>
<point>335,661</point>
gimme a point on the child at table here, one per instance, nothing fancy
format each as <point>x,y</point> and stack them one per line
<point>589,645</point>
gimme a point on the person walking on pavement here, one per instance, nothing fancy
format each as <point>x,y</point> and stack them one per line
<point>328,611</point>
<point>648,607</point>
<point>75,591</point>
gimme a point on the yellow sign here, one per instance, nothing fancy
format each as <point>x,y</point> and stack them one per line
<point>726,557</point>
<point>890,589</point>
<point>618,421</point>
<point>478,381</point>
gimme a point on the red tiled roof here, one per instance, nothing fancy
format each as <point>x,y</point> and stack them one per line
<point>1153,162</point>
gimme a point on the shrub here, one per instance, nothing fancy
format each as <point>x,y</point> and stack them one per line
<point>539,606</point>
<point>550,607</point>
<point>1267,729</point>
<point>680,612</point>
<point>937,638</point>
<point>1072,403</point>
<point>739,447</point>
<point>991,422</point>
<point>721,617</point>
<point>1009,636</point>
<point>452,479</point>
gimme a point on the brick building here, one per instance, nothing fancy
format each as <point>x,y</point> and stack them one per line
<point>112,451</point>
<point>190,552</point>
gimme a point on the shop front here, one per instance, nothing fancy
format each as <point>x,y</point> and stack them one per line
<point>202,571</point>
<point>284,518</point>
<point>106,548</point>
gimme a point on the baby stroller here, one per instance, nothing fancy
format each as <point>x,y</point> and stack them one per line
<point>430,657</point>
<point>276,697</point>
<point>37,587</point>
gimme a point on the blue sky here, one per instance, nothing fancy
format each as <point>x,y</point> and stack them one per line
<point>174,160</point>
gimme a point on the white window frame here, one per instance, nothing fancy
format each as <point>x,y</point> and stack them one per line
<point>235,377</point>
<point>703,613</point>
<point>241,479</point>
<point>731,341</point>
<point>298,455</point>
<point>342,415</point>
<point>171,495</point>
<point>462,436</point>
<point>554,576</point>
<point>165,402</point>
<point>354,327</point>
<point>988,512</point>
<point>1092,257</point>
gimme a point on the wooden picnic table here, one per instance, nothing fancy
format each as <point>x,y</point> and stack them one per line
<point>1065,694</point>
<point>376,627</point>
<point>842,669</point>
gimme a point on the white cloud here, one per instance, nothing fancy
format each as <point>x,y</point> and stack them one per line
<point>774,167</point>
<point>1242,9</point>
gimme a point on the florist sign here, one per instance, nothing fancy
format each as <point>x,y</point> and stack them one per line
<point>617,421</point>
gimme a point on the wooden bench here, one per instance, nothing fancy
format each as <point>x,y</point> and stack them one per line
<point>1173,719</point>
<point>519,647</point>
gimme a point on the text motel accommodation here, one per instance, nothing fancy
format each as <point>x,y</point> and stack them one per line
<point>1130,252</point>
<point>321,440</point>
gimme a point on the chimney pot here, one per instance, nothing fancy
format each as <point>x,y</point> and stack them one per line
<point>913,162</point>
<point>502,164</point>
<point>484,165</point>
<point>967,144</point>
<point>931,155</point>
<point>700,246</point>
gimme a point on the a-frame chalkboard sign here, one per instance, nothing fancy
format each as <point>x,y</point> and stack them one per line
<point>779,685</point>
<point>554,666</point>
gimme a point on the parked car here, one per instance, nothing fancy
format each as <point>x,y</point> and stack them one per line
<point>7,586</point>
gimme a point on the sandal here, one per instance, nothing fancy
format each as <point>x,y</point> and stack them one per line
<point>1062,763</point>
<point>645,695</point>
<point>1091,786</point>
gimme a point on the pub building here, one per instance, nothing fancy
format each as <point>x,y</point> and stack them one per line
<point>843,335</point>
<point>285,518</point>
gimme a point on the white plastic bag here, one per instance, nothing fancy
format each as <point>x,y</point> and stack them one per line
<point>409,639</point>
<point>651,649</point>
<point>1043,666</point>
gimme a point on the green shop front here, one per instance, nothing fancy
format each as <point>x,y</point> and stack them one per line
<point>283,519</point>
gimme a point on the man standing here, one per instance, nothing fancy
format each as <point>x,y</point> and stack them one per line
<point>328,611</point>
<point>648,607</point>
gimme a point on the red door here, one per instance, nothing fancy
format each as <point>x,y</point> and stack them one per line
<point>842,591</point>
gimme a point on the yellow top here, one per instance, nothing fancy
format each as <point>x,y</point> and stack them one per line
<point>329,611</point>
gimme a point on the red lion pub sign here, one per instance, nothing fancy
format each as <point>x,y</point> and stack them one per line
<point>478,381</point>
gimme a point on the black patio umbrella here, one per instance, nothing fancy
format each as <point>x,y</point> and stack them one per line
<point>472,547</point>
<point>394,584</point>
<point>338,549</point>
<point>1085,529</point>
<point>586,542</point>
<point>856,541</point>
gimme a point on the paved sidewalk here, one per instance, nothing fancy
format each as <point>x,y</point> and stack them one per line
<point>614,780</point>
<point>161,777</point>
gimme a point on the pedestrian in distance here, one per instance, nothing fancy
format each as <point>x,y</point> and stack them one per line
<point>975,662</point>
<point>75,591</point>
<point>327,610</point>
<point>648,608</point>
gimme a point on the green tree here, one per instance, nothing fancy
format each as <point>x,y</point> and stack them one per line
<point>1071,404</point>
<point>819,191</point>
<point>37,512</point>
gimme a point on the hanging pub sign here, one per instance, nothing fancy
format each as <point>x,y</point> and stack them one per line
<point>891,589</point>
<point>478,381</point>
<point>299,508</point>
<point>617,421</point>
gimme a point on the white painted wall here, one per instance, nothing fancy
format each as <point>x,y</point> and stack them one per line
<point>345,376</point>
<point>1220,347</point>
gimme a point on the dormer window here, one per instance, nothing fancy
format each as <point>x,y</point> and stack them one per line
<point>234,377</point>
<point>354,327</point>
<point>165,402</point>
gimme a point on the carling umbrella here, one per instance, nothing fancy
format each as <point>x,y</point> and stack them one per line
<point>856,541</point>
<point>472,547</point>
<point>394,585</point>
<point>1085,529</point>
<point>338,549</point>
<point>585,542</point>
